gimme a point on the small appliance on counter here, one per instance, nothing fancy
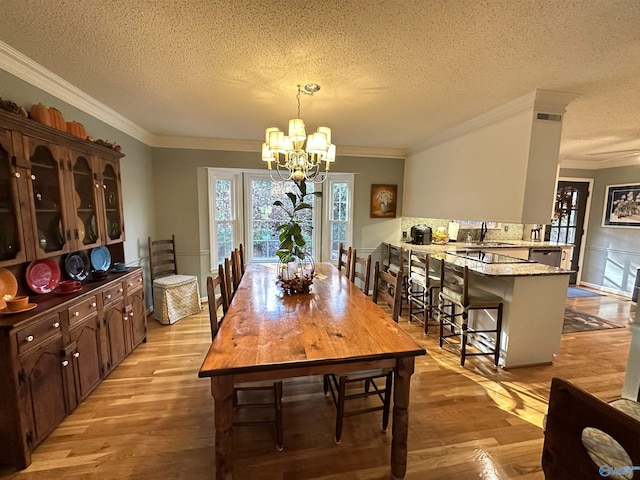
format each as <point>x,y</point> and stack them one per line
<point>421,235</point>
<point>536,235</point>
<point>453,230</point>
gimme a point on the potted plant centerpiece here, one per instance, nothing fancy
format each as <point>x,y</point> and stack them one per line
<point>296,269</point>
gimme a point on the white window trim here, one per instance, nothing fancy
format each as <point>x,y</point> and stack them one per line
<point>235,176</point>
<point>347,178</point>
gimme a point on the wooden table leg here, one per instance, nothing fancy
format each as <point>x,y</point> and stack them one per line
<point>400,430</point>
<point>222,391</point>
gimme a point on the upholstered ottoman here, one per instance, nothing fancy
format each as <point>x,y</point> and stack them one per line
<point>175,297</point>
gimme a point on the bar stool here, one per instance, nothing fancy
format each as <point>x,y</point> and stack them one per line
<point>420,290</point>
<point>456,293</point>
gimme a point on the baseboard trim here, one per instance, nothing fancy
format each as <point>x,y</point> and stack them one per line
<point>602,288</point>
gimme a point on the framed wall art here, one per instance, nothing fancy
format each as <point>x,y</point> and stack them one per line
<point>383,201</point>
<point>622,206</point>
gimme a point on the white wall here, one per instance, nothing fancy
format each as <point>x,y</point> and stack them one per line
<point>500,166</point>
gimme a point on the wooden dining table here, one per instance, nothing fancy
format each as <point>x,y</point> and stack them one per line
<point>336,328</point>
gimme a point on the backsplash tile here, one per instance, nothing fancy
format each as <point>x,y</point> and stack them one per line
<point>513,231</point>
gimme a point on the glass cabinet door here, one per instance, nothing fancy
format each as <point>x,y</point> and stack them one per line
<point>84,220</point>
<point>112,203</point>
<point>53,233</point>
<point>12,245</point>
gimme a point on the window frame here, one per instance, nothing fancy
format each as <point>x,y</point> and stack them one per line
<point>327,222</point>
<point>237,210</point>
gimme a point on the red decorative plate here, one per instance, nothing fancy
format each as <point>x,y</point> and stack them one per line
<point>43,275</point>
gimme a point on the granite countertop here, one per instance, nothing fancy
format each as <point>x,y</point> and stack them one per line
<point>474,246</point>
<point>439,252</point>
<point>501,269</point>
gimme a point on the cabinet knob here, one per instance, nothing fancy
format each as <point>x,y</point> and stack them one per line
<point>76,314</point>
<point>33,177</point>
<point>97,185</point>
<point>109,297</point>
<point>76,355</point>
<point>17,174</point>
<point>93,304</point>
<point>131,314</point>
<point>56,324</point>
<point>104,186</point>
<point>65,363</point>
<point>119,290</point>
<point>129,284</point>
<point>30,338</point>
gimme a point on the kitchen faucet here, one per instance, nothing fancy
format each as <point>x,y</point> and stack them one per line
<point>483,231</point>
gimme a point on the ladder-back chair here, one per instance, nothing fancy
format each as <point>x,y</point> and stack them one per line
<point>337,385</point>
<point>175,296</point>
<point>253,391</point>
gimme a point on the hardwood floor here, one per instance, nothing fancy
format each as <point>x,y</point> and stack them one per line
<point>152,417</point>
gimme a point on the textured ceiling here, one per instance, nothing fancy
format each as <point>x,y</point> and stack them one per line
<point>393,73</point>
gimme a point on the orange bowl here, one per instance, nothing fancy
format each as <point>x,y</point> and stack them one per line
<point>17,303</point>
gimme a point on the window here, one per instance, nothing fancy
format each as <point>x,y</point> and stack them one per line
<point>225,214</point>
<point>263,217</point>
<point>339,216</point>
<point>254,220</point>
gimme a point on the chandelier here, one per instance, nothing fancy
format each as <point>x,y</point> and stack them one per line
<point>293,159</point>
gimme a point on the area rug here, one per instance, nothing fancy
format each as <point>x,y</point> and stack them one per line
<point>582,322</point>
<point>577,292</point>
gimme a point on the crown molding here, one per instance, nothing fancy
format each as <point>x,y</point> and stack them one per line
<point>600,164</point>
<point>31,72</point>
<point>205,143</point>
<point>538,100</point>
<point>255,146</point>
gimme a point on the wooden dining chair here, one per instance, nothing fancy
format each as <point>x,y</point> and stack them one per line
<point>387,287</point>
<point>344,260</point>
<point>366,379</point>
<point>235,269</point>
<point>253,391</point>
<point>361,270</point>
<point>241,259</point>
<point>217,297</point>
<point>175,296</point>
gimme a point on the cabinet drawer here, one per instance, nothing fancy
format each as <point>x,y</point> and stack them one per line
<point>134,282</point>
<point>37,332</point>
<point>113,293</point>
<point>82,309</point>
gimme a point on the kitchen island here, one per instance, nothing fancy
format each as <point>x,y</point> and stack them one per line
<point>534,299</point>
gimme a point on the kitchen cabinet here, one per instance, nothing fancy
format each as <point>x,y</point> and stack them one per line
<point>59,193</point>
<point>54,356</point>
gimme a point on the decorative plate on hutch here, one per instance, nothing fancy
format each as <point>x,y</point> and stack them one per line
<point>43,275</point>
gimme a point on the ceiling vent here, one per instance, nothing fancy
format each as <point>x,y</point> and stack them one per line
<point>552,117</point>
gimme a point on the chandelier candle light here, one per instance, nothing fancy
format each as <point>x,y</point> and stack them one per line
<point>292,160</point>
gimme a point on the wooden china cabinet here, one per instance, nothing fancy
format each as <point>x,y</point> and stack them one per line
<point>59,194</point>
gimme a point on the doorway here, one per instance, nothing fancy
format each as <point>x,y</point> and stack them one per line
<point>567,225</point>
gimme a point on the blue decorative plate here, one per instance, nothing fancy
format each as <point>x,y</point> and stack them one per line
<point>100,258</point>
<point>77,265</point>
